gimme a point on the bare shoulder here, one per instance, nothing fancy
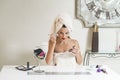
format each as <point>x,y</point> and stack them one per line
<point>74,41</point>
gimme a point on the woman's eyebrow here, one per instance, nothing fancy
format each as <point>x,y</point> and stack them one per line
<point>65,32</point>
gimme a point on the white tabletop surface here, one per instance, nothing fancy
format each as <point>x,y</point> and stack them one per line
<point>9,72</point>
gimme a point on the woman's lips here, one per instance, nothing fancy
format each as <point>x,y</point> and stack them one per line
<point>63,38</point>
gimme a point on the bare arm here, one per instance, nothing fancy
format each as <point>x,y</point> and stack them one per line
<point>79,58</point>
<point>51,47</point>
<point>77,53</point>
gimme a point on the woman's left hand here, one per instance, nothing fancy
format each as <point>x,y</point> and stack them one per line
<point>75,51</point>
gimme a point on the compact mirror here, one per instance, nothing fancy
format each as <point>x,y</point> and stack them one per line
<point>39,55</point>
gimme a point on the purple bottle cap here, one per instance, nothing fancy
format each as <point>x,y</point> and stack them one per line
<point>98,70</point>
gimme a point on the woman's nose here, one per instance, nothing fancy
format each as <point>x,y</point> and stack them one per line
<point>64,35</point>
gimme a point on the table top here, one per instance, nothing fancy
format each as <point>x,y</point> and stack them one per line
<point>9,72</point>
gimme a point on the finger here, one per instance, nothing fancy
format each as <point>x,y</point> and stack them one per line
<point>53,37</point>
<point>75,51</point>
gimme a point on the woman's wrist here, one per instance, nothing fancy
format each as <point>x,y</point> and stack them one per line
<point>77,53</point>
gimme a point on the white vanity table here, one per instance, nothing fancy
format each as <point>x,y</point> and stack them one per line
<point>9,72</point>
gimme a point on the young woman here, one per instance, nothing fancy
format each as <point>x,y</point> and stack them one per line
<point>63,50</point>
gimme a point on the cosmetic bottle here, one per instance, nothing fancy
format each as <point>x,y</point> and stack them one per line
<point>95,38</point>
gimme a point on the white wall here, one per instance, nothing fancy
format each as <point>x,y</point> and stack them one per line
<point>24,24</point>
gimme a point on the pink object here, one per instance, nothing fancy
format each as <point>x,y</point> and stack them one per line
<point>41,54</point>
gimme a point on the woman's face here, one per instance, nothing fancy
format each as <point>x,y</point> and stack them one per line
<point>63,33</point>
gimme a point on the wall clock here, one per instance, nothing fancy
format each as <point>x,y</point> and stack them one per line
<point>105,12</point>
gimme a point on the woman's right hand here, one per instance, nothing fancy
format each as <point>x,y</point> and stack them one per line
<point>52,39</point>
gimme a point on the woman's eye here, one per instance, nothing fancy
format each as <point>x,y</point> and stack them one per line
<point>61,33</point>
<point>67,33</point>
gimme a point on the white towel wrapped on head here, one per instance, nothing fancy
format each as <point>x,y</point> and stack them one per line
<point>60,20</point>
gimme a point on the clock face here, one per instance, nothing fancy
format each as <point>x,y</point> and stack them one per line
<point>101,11</point>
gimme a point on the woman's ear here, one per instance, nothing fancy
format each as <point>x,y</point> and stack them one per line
<point>68,36</point>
